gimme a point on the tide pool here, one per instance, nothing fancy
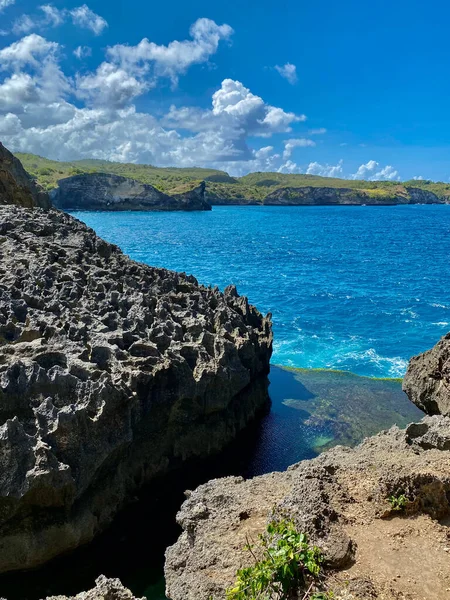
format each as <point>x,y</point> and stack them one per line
<point>360,289</point>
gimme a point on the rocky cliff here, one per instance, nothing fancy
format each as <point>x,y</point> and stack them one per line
<point>16,186</point>
<point>102,191</point>
<point>317,196</point>
<point>111,372</point>
<point>379,512</point>
<point>427,381</point>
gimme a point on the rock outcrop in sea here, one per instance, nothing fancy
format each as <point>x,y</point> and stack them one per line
<point>379,512</point>
<point>111,372</point>
<point>104,191</point>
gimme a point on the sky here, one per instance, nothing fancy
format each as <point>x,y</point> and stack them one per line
<point>345,89</point>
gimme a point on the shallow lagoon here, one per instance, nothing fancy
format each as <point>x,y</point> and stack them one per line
<point>311,410</point>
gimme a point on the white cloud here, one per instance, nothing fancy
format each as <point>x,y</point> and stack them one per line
<point>418,178</point>
<point>23,24</point>
<point>110,86</point>
<point>52,15</point>
<point>5,3</point>
<point>26,51</point>
<point>315,168</point>
<point>83,16</point>
<point>174,59</point>
<point>372,172</point>
<point>289,145</point>
<point>289,72</point>
<point>319,131</point>
<point>82,52</point>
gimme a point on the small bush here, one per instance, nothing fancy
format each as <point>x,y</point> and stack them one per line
<point>399,502</point>
<point>284,562</point>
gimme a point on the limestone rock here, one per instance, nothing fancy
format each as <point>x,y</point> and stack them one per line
<point>427,380</point>
<point>105,589</point>
<point>16,186</point>
<point>102,191</point>
<point>111,372</point>
<point>333,498</point>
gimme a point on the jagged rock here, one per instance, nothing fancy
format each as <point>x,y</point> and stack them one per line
<point>289,196</point>
<point>427,380</point>
<point>16,186</point>
<point>105,589</point>
<point>102,191</point>
<point>337,498</point>
<point>111,372</point>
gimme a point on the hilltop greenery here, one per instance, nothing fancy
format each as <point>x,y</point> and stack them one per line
<point>220,187</point>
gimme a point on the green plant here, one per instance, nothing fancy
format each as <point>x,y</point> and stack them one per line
<point>398,502</point>
<point>284,561</point>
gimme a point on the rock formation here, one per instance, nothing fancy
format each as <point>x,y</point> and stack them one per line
<point>427,381</point>
<point>16,186</point>
<point>345,501</point>
<point>111,372</point>
<point>105,589</point>
<point>102,191</point>
<point>318,196</point>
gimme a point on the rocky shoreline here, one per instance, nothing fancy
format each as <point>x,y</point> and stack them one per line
<point>111,372</point>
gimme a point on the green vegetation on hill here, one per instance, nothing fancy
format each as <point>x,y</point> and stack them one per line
<point>220,187</point>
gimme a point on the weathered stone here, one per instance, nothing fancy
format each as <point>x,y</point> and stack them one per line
<point>105,589</point>
<point>102,191</point>
<point>427,380</point>
<point>111,372</point>
<point>16,186</point>
<point>329,498</point>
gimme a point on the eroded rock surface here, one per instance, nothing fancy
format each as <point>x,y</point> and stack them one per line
<point>105,589</point>
<point>336,498</point>
<point>110,372</point>
<point>427,381</point>
<point>16,186</point>
<point>103,191</point>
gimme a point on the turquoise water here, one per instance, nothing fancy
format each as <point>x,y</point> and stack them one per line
<point>354,288</point>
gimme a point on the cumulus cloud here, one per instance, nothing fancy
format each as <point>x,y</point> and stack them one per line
<point>172,60</point>
<point>110,86</point>
<point>23,24</point>
<point>289,145</point>
<point>418,178</point>
<point>27,51</point>
<point>315,168</point>
<point>52,15</point>
<point>288,72</point>
<point>372,172</point>
<point>5,3</point>
<point>83,16</point>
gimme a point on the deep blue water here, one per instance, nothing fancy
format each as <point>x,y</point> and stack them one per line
<point>354,288</point>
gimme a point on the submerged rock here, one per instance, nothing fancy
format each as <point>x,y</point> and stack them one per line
<point>103,191</point>
<point>16,186</point>
<point>111,372</point>
<point>427,380</point>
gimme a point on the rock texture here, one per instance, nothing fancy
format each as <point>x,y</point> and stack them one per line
<point>105,589</point>
<point>111,372</point>
<point>341,500</point>
<point>317,196</point>
<point>427,381</point>
<point>102,191</point>
<point>16,186</point>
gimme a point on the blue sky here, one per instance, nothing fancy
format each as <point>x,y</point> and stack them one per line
<point>346,89</point>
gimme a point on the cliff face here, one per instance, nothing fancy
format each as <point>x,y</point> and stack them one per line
<point>111,372</point>
<point>316,196</point>
<point>16,186</point>
<point>427,381</point>
<point>101,191</point>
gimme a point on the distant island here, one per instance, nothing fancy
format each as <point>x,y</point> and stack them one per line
<point>270,189</point>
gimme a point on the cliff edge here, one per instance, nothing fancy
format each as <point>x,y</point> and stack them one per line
<point>111,372</point>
